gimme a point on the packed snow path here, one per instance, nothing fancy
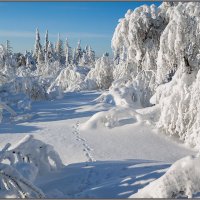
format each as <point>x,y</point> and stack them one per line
<point>101,162</point>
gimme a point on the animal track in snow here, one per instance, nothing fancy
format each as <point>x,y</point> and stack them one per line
<point>86,148</point>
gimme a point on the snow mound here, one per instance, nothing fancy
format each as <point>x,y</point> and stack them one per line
<point>112,118</point>
<point>181,180</point>
<point>120,96</point>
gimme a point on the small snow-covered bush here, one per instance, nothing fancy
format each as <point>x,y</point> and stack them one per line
<point>101,76</point>
<point>181,180</point>
<point>30,86</point>
<point>12,182</point>
<point>49,69</point>
<point>41,155</point>
<point>68,80</point>
<point>22,163</point>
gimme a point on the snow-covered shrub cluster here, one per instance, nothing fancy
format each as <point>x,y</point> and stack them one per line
<point>48,71</point>
<point>76,78</point>
<point>49,66</point>
<point>180,181</point>
<point>21,164</point>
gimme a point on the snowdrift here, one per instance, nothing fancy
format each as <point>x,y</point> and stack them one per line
<point>112,118</point>
<point>180,181</point>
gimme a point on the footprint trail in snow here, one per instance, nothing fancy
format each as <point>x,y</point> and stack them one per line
<point>86,148</point>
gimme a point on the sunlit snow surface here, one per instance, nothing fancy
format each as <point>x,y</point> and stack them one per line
<point>102,162</point>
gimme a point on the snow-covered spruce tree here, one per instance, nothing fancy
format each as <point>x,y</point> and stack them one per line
<point>91,56</point>
<point>68,53</point>
<point>30,61</point>
<point>40,58</point>
<point>74,57</point>
<point>78,54</point>
<point>20,59</point>
<point>7,55</point>
<point>7,62</point>
<point>50,55</point>
<point>8,48</point>
<point>59,50</point>
<point>46,43</point>
<point>86,50</point>
<point>101,76</point>
<point>38,53</point>
<point>85,59</point>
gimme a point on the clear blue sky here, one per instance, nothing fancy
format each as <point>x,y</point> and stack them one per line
<point>92,22</point>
